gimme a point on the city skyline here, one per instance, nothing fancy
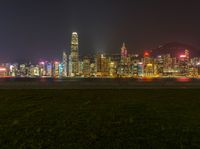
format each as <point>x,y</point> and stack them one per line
<point>34,29</point>
<point>123,64</point>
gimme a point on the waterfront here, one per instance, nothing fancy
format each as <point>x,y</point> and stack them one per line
<point>98,83</point>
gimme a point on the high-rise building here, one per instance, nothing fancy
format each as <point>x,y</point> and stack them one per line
<point>123,69</point>
<point>112,69</point>
<point>102,65</point>
<point>3,71</point>
<point>49,69</point>
<point>92,70</point>
<point>134,65</point>
<point>22,69</point>
<point>183,65</point>
<point>56,69</point>
<point>124,54</point>
<point>61,72</point>
<point>187,54</point>
<point>86,67</point>
<point>65,72</point>
<point>34,71</point>
<point>42,68</point>
<point>74,55</point>
<point>148,64</point>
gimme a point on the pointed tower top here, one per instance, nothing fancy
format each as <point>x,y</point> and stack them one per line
<point>124,45</point>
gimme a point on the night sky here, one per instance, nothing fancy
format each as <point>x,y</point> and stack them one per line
<point>34,29</point>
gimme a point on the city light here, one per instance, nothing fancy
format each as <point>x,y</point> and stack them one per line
<point>2,69</point>
<point>146,54</point>
<point>182,56</point>
<point>42,63</point>
<point>122,65</point>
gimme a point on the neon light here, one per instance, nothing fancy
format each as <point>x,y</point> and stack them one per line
<point>2,69</point>
<point>42,63</point>
<point>182,56</point>
<point>146,54</point>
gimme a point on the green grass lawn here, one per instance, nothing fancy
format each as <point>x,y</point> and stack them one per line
<point>99,119</point>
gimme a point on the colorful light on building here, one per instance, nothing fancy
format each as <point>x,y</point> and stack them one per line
<point>146,54</point>
<point>182,56</point>
<point>2,69</point>
<point>42,63</point>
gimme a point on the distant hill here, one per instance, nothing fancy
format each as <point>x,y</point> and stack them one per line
<point>175,49</point>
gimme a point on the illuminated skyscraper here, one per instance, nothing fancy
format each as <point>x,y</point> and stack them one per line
<point>86,67</point>
<point>124,54</point>
<point>42,69</point>
<point>3,71</point>
<point>49,68</point>
<point>56,69</point>
<point>183,65</point>
<point>64,64</point>
<point>102,65</point>
<point>148,62</point>
<point>74,55</point>
<point>187,54</point>
<point>123,67</point>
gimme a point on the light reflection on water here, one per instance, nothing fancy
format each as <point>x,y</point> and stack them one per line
<point>92,83</point>
<point>145,79</point>
<point>183,79</point>
<point>142,79</point>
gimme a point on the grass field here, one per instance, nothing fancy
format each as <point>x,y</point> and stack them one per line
<point>99,119</point>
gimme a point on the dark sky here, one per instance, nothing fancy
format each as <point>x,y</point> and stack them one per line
<point>33,29</point>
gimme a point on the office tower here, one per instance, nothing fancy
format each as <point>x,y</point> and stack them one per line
<point>187,54</point>
<point>148,64</point>
<point>12,71</point>
<point>124,54</point>
<point>74,55</point>
<point>140,69</point>
<point>86,67</point>
<point>56,69</point>
<point>3,71</point>
<point>42,69</point>
<point>112,69</point>
<point>65,72</point>
<point>134,60</point>
<point>183,65</point>
<point>93,70</point>
<point>102,65</point>
<point>159,61</point>
<point>167,65</point>
<point>34,71</point>
<point>123,69</point>
<point>60,70</point>
<point>49,70</point>
<point>22,69</point>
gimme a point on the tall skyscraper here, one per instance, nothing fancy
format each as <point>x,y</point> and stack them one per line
<point>124,54</point>
<point>187,54</point>
<point>56,69</point>
<point>65,72</point>
<point>123,68</point>
<point>86,67</point>
<point>102,65</point>
<point>74,55</point>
